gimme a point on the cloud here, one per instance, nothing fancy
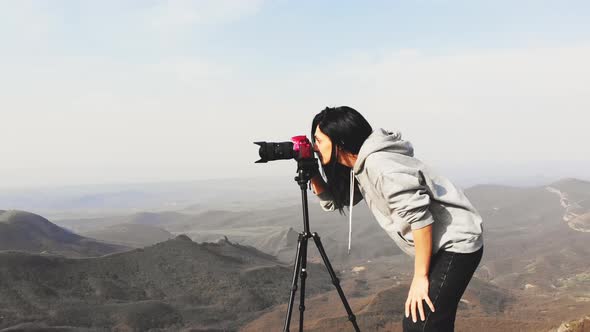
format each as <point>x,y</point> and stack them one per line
<point>112,27</point>
<point>87,115</point>
<point>177,14</point>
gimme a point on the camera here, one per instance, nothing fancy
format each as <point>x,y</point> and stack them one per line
<point>299,148</point>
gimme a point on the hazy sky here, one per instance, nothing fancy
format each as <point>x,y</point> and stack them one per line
<point>129,91</point>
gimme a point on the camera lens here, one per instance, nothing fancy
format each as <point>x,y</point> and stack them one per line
<point>270,151</point>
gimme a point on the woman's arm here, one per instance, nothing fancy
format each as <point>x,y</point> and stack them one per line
<point>423,245</point>
<point>420,284</point>
<point>318,184</point>
<point>408,198</point>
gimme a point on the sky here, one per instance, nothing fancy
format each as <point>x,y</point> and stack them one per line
<point>120,91</point>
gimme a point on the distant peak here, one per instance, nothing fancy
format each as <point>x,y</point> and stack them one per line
<point>570,183</point>
<point>570,180</point>
<point>16,216</point>
<point>183,237</point>
<point>224,240</point>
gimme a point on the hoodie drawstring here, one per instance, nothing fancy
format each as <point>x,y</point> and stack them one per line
<point>350,209</point>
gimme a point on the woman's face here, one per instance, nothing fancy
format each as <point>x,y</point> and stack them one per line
<point>323,146</point>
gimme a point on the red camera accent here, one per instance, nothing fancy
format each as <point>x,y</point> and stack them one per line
<point>302,146</point>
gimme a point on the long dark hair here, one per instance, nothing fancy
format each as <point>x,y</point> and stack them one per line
<point>347,129</point>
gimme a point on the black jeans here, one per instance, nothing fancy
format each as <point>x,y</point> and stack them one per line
<point>449,275</point>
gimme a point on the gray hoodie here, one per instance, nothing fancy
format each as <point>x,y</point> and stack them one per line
<point>404,194</point>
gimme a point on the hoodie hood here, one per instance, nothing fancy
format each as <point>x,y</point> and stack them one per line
<point>382,140</point>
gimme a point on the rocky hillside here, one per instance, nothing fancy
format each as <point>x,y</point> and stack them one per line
<point>24,231</point>
<point>173,284</point>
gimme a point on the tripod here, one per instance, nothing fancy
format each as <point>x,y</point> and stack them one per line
<point>304,167</point>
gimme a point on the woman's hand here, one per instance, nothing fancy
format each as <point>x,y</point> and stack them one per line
<point>418,292</point>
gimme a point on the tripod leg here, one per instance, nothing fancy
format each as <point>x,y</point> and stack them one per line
<point>296,270</point>
<point>335,281</point>
<point>303,277</point>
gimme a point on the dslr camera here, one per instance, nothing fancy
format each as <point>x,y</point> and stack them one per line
<point>300,149</point>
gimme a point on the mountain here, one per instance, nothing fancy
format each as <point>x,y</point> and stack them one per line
<point>131,235</point>
<point>171,285</point>
<point>529,242</point>
<point>575,199</point>
<point>264,228</point>
<point>281,243</point>
<point>575,188</point>
<point>157,219</point>
<point>25,231</point>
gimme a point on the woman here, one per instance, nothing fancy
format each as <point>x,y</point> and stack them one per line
<point>425,214</point>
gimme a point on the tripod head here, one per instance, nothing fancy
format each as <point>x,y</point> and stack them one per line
<point>306,169</point>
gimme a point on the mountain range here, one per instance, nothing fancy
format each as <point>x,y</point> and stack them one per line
<point>173,284</point>
<point>534,275</point>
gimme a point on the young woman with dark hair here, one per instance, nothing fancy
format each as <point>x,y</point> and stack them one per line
<point>425,214</point>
